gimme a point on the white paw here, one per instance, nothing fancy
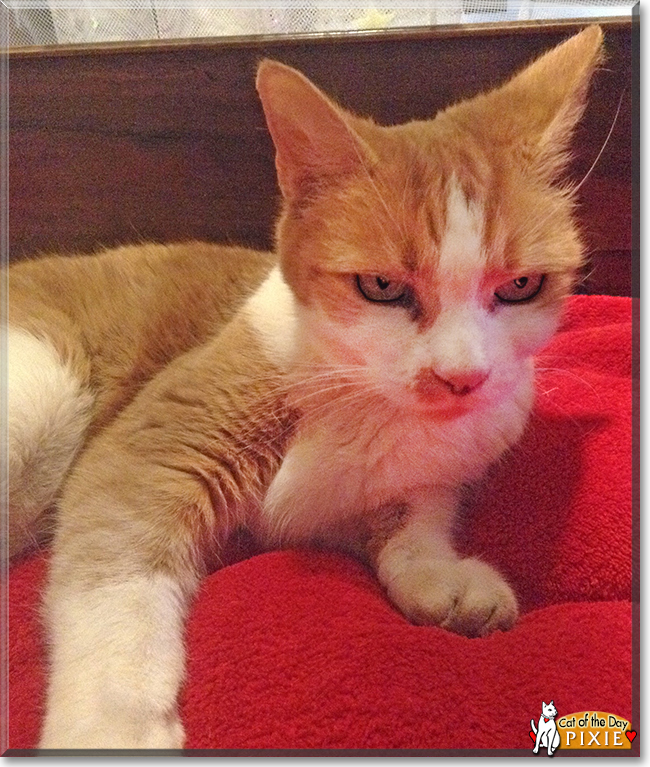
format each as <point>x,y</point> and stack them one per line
<point>93,730</point>
<point>466,596</point>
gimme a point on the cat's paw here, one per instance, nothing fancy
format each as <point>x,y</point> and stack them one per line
<point>465,596</point>
<point>102,730</point>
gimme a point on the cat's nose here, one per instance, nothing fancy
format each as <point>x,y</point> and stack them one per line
<point>459,382</point>
<point>465,382</point>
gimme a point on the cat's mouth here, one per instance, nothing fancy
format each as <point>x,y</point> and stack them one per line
<point>445,405</point>
<point>444,401</point>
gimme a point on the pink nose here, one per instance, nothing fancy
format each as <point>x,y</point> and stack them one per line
<point>465,383</point>
<point>459,383</point>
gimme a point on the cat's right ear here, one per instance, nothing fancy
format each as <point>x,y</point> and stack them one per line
<point>314,141</point>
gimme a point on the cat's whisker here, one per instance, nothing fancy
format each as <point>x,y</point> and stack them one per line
<point>297,380</point>
<point>337,395</point>
<point>341,403</point>
<point>574,189</point>
<point>311,387</point>
<point>301,372</point>
<point>571,374</point>
<point>334,403</point>
<point>320,392</point>
<point>342,397</point>
<point>571,189</point>
<point>350,372</point>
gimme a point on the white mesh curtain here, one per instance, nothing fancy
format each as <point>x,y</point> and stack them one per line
<point>43,22</point>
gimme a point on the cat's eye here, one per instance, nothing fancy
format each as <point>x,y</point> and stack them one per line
<point>374,287</point>
<point>520,289</point>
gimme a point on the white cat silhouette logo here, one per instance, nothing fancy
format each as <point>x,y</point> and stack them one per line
<point>546,732</point>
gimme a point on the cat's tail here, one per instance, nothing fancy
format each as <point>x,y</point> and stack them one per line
<point>532,724</point>
<point>49,410</point>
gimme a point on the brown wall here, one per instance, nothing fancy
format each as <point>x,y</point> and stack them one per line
<point>167,141</point>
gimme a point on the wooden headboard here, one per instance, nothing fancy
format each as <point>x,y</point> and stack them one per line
<point>167,141</point>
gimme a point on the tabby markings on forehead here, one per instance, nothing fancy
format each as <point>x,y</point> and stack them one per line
<point>462,253</point>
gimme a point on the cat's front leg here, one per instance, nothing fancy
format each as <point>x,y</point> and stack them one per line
<point>117,663</point>
<point>125,563</point>
<point>428,581</point>
<point>152,497</point>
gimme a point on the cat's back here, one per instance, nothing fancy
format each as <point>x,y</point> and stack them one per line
<point>118,316</point>
<point>197,279</point>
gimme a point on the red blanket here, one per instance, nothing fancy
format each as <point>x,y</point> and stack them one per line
<point>300,650</point>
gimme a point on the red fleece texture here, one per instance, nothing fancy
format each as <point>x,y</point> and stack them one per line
<point>297,649</point>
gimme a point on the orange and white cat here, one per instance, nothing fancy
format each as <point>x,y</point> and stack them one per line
<point>340,392</point>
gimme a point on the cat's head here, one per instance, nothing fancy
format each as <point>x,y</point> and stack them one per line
<point>549,710</point>
<point>434,256</point>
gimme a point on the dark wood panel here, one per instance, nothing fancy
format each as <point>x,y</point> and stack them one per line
<point>609,273</point>
<point>121,143</point>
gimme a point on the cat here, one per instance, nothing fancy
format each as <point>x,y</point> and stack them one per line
<point>339,392</point>
<point>546,731</point>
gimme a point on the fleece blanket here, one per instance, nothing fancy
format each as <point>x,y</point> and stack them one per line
<point>300,650</point>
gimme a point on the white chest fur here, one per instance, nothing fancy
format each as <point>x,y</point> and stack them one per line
<point>341,467</point>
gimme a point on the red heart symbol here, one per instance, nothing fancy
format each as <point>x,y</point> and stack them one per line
<point>532,735</point>
<point>631,734</point>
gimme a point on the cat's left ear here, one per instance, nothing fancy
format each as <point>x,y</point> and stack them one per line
<point>538,109</point>
<point>314,140</point>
